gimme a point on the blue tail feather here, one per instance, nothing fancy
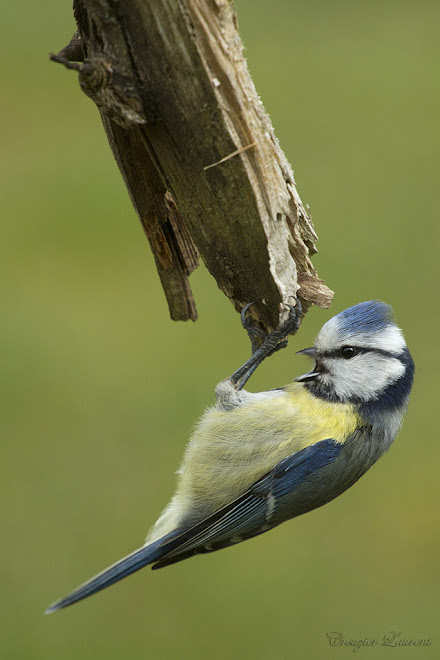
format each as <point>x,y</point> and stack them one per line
<point>124,567</point>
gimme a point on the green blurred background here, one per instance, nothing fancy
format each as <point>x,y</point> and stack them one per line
<point>98,400</point>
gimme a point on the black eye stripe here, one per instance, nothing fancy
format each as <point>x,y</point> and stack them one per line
<point>337,353</point>
<point>345,352</point>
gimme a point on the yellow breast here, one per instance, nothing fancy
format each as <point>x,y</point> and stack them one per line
<point>230,450</point>
<point>320,419</point>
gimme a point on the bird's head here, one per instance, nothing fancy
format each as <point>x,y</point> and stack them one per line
<point>361,356</point>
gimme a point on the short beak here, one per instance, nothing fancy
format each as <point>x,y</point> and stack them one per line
<point>310,352</point>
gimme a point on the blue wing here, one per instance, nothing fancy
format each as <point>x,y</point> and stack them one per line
<point>251,514</point>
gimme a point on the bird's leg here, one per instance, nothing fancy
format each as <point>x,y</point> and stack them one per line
<point>272,342</point>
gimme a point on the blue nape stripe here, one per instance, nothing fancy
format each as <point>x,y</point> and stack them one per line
<point>394,396</point>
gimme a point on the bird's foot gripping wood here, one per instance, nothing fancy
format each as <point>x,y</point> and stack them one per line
<point>272,342</point>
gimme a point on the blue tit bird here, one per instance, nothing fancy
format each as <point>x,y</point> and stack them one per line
<point>256,460</point>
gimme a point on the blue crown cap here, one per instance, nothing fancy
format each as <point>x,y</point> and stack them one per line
<point>366,317</point>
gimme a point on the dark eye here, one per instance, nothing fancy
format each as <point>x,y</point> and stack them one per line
<point>348,352</point>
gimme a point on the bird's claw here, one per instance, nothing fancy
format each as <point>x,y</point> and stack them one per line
<point>291,324</point>
<point>272,342</point>
<point>256,334</point>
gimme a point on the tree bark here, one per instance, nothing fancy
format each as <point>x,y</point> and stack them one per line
<point>197,151</point>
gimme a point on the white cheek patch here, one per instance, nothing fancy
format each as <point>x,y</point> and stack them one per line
<point>363,377</point>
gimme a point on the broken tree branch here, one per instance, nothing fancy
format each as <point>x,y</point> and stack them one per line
<point>197,151</point>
